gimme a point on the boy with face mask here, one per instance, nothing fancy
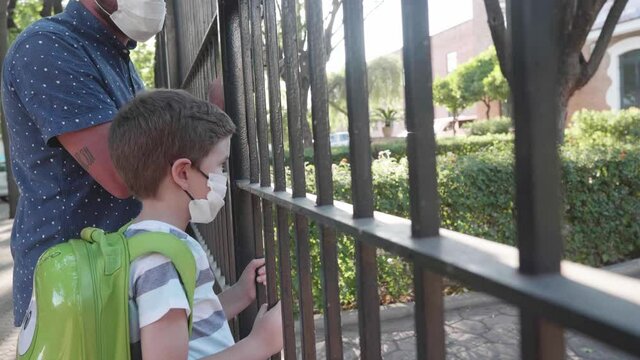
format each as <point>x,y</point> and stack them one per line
<point>170,148</point>
<point>64,79</point>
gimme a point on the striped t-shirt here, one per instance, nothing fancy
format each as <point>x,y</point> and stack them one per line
<point>154,289</point>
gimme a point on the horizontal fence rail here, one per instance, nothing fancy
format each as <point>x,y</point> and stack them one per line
<point>255,50</point>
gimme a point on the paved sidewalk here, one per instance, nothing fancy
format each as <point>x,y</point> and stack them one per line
<point>480,331</point>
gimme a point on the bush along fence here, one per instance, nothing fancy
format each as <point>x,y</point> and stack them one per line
<point>601,212</point>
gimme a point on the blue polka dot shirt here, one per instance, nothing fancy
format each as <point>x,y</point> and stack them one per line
<point>63,74</point>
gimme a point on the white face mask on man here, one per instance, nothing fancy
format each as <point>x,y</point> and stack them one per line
<point>140,20</point>
<point>203,211</point>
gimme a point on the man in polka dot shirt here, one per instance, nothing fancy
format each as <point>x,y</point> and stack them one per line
<point>64,79</point>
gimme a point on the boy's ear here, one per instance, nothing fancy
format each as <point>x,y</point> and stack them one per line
<point>180,172</point>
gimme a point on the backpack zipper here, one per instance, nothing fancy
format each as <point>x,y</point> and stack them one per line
<point>97,300</point>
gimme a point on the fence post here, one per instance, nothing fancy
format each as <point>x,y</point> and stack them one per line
<point>239,169</point>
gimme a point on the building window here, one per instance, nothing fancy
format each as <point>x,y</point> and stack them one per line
<point>630,79</point>
<point>452,61</point>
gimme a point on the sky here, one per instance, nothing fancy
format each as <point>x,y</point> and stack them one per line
<point>383,26</point>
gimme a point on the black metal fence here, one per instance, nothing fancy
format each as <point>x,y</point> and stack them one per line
<point>239,42</point>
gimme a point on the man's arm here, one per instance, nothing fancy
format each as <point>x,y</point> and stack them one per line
<point>90,148</point>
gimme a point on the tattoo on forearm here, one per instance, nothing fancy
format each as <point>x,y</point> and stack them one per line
<point>85,157</point>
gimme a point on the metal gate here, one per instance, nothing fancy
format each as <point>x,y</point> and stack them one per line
<point>236,41</point>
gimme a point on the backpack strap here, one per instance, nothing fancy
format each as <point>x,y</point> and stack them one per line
<point>176,250</point>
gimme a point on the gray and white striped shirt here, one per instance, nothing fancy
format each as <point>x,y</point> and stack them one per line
<point>154,289</point>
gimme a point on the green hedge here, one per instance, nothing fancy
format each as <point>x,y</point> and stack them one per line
<point>601,213</point>
<point>500,125</point>
<point>397,148</point>
<point>604,128</point>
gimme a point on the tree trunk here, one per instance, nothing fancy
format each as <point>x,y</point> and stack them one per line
<point>487,104</point>
<point>13,188</point>
<point>562,118</point>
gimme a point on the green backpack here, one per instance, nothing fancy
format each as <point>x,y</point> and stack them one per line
<point>81,289</point>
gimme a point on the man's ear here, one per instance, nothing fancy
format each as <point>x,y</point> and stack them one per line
<point>180,172</point>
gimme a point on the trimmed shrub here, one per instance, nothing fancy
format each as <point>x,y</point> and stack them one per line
<point>604,128</point>
<point>601,212</point>
<point>499,125</point>
<point>397,148</point>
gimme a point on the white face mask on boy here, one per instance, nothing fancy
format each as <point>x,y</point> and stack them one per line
<point>203,211</point>
<point>140,20</point>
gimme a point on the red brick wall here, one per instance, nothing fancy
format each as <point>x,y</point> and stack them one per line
<point>467,40</point>
<point>593,96</point>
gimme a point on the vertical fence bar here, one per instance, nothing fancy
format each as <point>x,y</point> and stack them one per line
<point>275,113</point>
<point>273,70</point>
<point>245,36</point>
<point>235,107</point>
<point>286,291</point>
<point>535,55</point>
<point>421,151</point>
<point>282,217</point>
<point>296,153</point>
<point>304,285</point>
<point>361,178</point>
<point>290,44</point>
<point>324,178</point>
<point>259,242</point>
<point>261,112</point>
<point>260,97</point>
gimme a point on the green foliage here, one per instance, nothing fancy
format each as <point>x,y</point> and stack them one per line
<point>143,57</point>
<point>397,148</point>
<point>496,87</point>
<point>601,213</point>
<point>384,77</point>
<point>447,93</point>
<point>388,115</point>
<point>501,125</point>
<point>478,80</point>
<point>604,128</point>
<point>337,95</point>
<point>471,75</point>
<point>25,13</point>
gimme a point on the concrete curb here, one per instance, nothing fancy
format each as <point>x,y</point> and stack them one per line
<point>627,268</point>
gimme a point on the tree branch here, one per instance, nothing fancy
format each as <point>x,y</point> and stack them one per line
<point>498,30</point>
<point>328,31</point>
<point>336,106</point>
<point>588,69</point>
<point>577,20</point>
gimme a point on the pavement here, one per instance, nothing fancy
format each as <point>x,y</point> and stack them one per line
<point>477,326</point>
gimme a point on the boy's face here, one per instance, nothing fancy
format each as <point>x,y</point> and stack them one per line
<point>213,163</point>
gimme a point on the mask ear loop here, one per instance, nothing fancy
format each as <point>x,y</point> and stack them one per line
<point>102,8</point>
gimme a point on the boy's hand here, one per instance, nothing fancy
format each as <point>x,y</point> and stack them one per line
<point>254,273</point>
<point>267,329</point>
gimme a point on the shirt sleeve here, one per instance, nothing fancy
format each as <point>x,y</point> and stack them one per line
<point>156,288</point>
<point>59,85</point>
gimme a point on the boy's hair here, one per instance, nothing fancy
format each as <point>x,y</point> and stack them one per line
<point>158,127</point>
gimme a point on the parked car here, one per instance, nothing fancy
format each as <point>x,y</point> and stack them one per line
<point>339,139</point>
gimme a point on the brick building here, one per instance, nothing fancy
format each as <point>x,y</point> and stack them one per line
<point>615,85</point>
